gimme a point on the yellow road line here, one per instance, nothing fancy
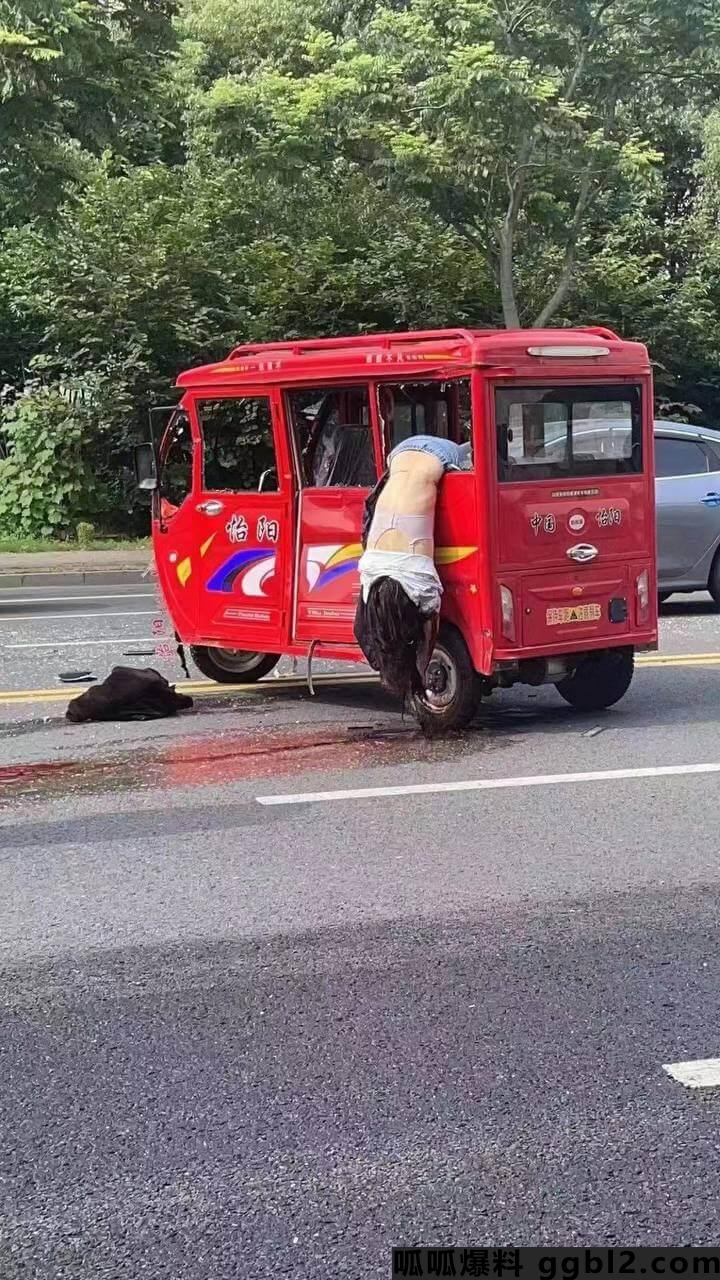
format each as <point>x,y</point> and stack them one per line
<point>206,688</point>
<point>678,659</point>
<point>198,689</point>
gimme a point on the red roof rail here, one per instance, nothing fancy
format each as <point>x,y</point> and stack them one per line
<point>387,340</point>
<point>600,332</point>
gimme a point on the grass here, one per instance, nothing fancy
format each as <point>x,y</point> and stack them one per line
<point>24,545</point>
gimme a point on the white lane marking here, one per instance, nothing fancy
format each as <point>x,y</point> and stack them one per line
<point>700,1073</point>
<point>487,784</point>
<point>55,617</point>
<point>83,644</point>
<point>26,600</point>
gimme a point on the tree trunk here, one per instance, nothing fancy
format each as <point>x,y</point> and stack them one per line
<point>568,270</point>
<point>506,236</point>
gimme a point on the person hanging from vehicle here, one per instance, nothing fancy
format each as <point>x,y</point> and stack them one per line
<point>398,610</point>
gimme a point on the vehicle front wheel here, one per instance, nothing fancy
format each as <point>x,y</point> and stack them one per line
<point>452,686</point>
<point>233,666</point>
<point>599,680</point>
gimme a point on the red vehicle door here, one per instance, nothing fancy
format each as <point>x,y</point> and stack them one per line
<point>243,522</point>
<point>575,514</point>
<point>175,523</point>
<point>335,460</point>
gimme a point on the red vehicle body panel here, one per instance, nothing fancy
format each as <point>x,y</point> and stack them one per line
<point>293,580</point>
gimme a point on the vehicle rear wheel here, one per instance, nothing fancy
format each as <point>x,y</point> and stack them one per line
<point>599,680</point>
<point>232,666</point>
<point>452,686</point>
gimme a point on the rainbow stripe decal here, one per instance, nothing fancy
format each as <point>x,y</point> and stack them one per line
<point>249,568</point>
<point>327,563</point>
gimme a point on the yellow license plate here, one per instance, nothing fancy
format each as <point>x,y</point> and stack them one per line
<point>574,613</point>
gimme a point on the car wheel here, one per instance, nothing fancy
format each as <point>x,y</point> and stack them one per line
<point>452,685</point>
<point>599,680</point>
<point>233,666</point>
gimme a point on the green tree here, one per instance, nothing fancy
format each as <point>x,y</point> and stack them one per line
<point>513,121</point>
<point>79,78</point>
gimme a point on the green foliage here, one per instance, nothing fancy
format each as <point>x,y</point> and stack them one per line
<point>44,483</point>
<point>77,79</point>
<point>85,533</point>
<point>176,178</point>
<point>511,124</point>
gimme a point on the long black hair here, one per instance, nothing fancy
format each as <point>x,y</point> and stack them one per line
<point>391,632</point>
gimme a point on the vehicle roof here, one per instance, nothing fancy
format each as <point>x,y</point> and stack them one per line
<point>668,427</point>
<point>436,352</point>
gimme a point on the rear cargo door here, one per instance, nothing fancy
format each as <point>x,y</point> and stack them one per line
<point>574,518</point>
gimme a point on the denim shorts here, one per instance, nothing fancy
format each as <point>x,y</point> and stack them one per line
<point>446,451</point>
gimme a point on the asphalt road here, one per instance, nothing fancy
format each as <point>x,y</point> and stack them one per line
<point>241,1039</point>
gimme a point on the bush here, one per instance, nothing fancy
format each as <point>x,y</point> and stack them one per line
<point>85,533</point>
<point>45,484</point>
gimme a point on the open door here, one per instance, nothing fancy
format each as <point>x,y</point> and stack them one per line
<point>336,467</point>
<point>175,523</point>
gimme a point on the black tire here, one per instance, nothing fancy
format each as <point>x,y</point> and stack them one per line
<point>452,705</point>
<point>663,596</point>
<point>714,581</point>
<point>233,666</point>
<point>599,680</point>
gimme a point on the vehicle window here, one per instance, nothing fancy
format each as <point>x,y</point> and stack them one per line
<point>333,437</point>
<point>176,461</point>
<point>426,409</point>
<point>546,433</point>
<point>712,455</point>
<point>238,445</point>
<point>675,457</point>
<point>712,450</point>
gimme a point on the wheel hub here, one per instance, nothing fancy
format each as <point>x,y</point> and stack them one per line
<point>238,660</point>
<point>436,680</point>
<point>440,681</point>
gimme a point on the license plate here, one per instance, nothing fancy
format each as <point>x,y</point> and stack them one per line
<point>574,613</point>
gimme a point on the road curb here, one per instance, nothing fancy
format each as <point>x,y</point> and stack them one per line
<point>75,578</point>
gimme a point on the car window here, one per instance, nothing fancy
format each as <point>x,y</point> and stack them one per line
<point>333,437</point>
<point>176,469</point>
<point>426,409</point>
<point>544,433</point>
<point>712,449</point>
<point>239,450</point>
<point>675,457</point>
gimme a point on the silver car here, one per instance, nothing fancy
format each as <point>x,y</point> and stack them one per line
<point>687,465</point>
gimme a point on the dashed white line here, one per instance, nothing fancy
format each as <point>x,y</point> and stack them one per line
<point>83,644</point>
<point>122,595</point>
<point>698,1073</point>
<point>488,784</point>
<point>61,617</point>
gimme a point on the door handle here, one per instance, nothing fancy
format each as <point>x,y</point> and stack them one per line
<point>583,552</point>
<point>211,507</point>
<point>711,500</point>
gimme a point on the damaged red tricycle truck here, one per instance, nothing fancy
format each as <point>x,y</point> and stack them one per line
<point>545,544</point>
